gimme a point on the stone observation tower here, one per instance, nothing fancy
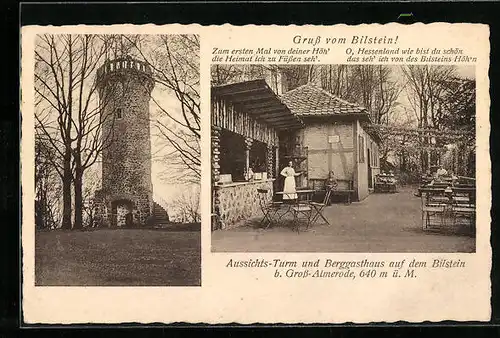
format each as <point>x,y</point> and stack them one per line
<point>126,197</point>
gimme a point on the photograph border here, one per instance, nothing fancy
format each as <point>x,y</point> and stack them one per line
<point>479,12</point>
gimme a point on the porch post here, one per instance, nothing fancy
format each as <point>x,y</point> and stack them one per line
<point>270,164</point>
<point>216,205</point>
<point>248,146</point>
<point>216,131</point>
<point>277,160</point>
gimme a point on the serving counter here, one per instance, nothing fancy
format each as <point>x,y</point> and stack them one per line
<point>237,201</point>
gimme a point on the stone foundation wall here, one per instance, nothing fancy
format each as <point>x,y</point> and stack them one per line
<point>240,201</point>
<point>140,208</point>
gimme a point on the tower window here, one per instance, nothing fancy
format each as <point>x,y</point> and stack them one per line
<point>118,113</point>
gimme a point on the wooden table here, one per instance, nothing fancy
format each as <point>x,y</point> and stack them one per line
<point>435,190</point>
<point>306,192</point>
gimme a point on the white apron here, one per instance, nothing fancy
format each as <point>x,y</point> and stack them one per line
<point>289,190</point>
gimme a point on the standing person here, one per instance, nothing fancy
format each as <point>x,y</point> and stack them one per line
<point>289,190</point>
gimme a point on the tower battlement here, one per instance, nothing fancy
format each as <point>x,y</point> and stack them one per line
<point>124,66</point>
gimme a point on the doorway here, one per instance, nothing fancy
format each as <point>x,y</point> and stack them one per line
<point>122,213</point>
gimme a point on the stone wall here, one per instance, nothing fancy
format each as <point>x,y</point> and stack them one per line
<point>240,201</point>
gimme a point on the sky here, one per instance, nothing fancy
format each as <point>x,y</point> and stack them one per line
<point>404,108</point>
<point>167,191</point>
<point>468,72</point>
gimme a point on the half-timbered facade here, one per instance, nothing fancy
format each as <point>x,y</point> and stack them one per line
<point>336,137</point>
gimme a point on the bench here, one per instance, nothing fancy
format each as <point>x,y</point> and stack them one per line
<point>345,187</point>
<point>384,187</point>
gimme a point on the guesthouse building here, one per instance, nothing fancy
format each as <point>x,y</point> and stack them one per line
<point>336,137</point>
<point>259,128</point>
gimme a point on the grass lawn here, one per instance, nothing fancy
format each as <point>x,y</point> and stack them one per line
<point>121,257</point>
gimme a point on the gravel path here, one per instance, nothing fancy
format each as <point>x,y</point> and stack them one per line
<point>380,223</point>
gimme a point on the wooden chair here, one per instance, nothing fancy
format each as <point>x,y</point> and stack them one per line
<point>468,211</point>
<point>464,204</point>
<point>319,206</point>
<point>268,207</point>
<point>431,208</point>
<point>299,209</point>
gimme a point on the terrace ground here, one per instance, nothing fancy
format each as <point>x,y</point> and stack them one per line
<point>379,223</point>
<point>121,257</point>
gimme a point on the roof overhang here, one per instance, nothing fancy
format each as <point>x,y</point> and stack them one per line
<point>258,100</point>
<point>373,132</point>
<point>362,117</point>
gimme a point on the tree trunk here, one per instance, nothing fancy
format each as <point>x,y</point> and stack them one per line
<point>78,183</point>
<point>66,220</point>
<point>78,204</point>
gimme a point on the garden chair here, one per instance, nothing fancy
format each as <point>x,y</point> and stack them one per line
<point>468,211</point>
<point>464,206</point>
<point>319,206</point>
<point>431,208</point>
<point>268,207</point>
<point>301,209</point>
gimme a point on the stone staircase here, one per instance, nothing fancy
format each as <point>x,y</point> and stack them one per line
<point>160,215</point>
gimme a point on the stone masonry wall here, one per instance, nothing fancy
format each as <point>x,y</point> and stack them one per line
<point>125,90</point>
<point>241,201</point>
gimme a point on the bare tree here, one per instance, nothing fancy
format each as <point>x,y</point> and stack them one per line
<point>339,80</point>
<point>187,206</point>
<point>227,73</point>
<point>425,86</point>
<point>387,91</point>
<point>91,184</point>
<point>175,62</point>
<point>47,186</point>
<point>375,87</point>
<point>54,103</point>
<point>88,120</point>
<point>68,112</point>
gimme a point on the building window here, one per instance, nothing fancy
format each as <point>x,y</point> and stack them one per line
<point>361,149</point>
<point>118,113</point>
